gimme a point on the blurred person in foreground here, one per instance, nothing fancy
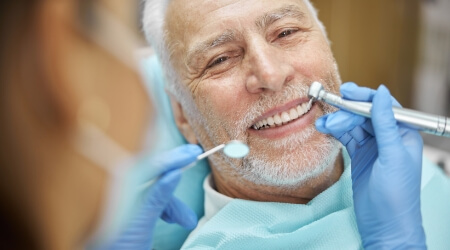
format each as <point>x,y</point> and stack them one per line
<point>74,113</point>
<point>241,69</point>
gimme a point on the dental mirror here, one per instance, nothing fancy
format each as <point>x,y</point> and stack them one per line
<point>236,149</point>
<point>233,149</point>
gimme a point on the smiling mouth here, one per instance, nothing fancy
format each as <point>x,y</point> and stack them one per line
<point>283,118</point>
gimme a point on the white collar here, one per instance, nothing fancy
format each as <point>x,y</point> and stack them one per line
<point>214,201</point>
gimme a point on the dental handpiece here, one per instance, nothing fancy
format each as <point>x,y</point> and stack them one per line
<point>428,123</point>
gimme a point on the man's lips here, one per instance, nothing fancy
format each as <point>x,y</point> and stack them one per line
<point>290,127</point>
<point>282,115</point>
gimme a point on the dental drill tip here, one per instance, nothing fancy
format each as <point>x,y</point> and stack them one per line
<point>314,90</point>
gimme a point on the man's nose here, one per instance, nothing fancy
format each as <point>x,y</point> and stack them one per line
<point>268,70</point>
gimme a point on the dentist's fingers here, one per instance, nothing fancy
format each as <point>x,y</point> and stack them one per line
<point>339,122</point>
<point>351,135</point>
<point>384,123</point>
<point>178,212</point>
<point>167,161</point>
<point>390,134</point>
<point>161,192</point>
<point>138,234</point>
<point>351,91</point>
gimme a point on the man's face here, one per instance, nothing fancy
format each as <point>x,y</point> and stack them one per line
<point>248,66</point>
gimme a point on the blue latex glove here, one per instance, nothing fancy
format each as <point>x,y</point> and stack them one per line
<point>386,170</point>
<point>159,201</point>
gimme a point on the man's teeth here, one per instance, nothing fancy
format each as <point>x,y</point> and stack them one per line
<point>283,117</point>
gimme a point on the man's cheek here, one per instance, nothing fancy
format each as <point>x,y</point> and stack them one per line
<point>212,110</point>
<point>218,102</point>
<point>309,69</point>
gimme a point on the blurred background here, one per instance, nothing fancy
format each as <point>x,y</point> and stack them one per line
<point>404,44</point>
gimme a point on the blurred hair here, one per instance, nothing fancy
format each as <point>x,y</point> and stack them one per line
<point>16,66</point>
<point>22,94</point>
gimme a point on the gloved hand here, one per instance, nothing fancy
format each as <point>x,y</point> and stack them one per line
<point>386,170</point>
<point>159,201</point>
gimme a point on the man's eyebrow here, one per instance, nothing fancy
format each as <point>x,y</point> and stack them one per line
<point>286,11</point>
<point>203,47</point>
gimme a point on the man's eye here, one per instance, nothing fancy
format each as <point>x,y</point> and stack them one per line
<point>218,61</point>
<point>286,33</point>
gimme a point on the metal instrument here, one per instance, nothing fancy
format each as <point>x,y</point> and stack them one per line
<point>432,124</point>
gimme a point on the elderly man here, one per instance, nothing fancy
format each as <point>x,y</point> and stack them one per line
<point>241,70</point>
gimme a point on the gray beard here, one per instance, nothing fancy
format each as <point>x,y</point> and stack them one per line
<point>289,171</point>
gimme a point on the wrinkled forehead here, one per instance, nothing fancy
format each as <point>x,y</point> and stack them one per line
<point>190,22</point>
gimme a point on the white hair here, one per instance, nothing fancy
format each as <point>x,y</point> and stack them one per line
<point>154,16</point>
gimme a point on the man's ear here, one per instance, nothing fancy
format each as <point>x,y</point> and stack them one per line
<point>182,122</point>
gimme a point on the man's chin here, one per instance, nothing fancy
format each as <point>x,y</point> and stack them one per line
<point>291,168</point>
